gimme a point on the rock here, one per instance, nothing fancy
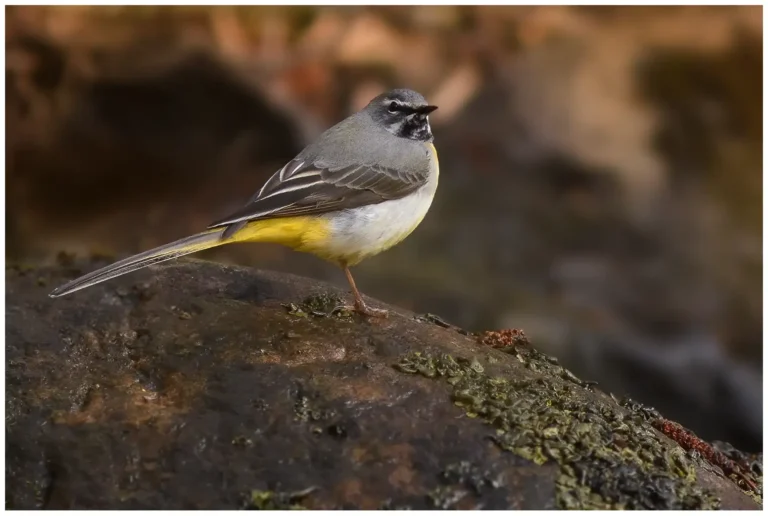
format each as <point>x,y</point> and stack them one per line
<point>203,386</point>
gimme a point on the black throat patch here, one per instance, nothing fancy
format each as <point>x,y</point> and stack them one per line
<point>415,127</point>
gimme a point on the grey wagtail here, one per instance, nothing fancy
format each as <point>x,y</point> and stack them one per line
<point>361,188</point>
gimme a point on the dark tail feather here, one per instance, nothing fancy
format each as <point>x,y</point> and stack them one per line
<point>182,247</point>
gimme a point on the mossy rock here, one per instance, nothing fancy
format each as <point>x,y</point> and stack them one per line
<point>202,386</point>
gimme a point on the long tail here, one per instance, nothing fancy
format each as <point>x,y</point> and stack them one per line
<point>188,245</point>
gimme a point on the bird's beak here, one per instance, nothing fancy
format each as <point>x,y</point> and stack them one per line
<point>427,109</point>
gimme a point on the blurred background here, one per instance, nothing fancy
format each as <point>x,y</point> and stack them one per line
<point>601,180</point>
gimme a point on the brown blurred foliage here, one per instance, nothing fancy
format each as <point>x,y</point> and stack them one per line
<point>601,168</point>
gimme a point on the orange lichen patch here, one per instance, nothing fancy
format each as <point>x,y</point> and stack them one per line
<point>689,441</point>
<point>504,338</point>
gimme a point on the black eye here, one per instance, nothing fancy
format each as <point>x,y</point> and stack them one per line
<point>393,107</point>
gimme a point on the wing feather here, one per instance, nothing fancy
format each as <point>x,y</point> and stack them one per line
<point>306,188</point>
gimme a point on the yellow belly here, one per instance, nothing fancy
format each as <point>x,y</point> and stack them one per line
<point>299,233</point>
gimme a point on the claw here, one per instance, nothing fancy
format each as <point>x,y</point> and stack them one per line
<point>371,312</point>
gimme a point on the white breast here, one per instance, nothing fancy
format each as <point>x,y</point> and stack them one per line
<point>363,232</point>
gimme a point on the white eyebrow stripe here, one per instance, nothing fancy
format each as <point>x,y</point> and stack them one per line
<point>400,103</point>
<point>292,189</point>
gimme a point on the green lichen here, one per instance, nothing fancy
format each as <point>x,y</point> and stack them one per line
<point>306,411</point>
<point>644,412</point>
<point>242,441</point>
<point>538,362</point>
<point>272,501</point>
<point>606,459</point>
<point>295,310</point>
<point>320,305</point>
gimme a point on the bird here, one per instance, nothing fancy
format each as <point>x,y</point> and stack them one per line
<point>359,189</point>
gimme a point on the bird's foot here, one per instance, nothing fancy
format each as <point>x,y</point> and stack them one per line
<point>363,309</point>
<point>371,312</point>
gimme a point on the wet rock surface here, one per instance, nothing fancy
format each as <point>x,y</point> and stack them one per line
<point>202,386</point>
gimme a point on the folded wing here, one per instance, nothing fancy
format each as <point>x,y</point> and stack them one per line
<point>301,188</point>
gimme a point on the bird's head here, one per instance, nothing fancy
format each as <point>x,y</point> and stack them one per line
<point>403,113</point>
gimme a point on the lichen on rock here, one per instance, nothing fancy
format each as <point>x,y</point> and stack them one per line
<point>320,305</point>
<point>606,461</point>
<point>277,501</point>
